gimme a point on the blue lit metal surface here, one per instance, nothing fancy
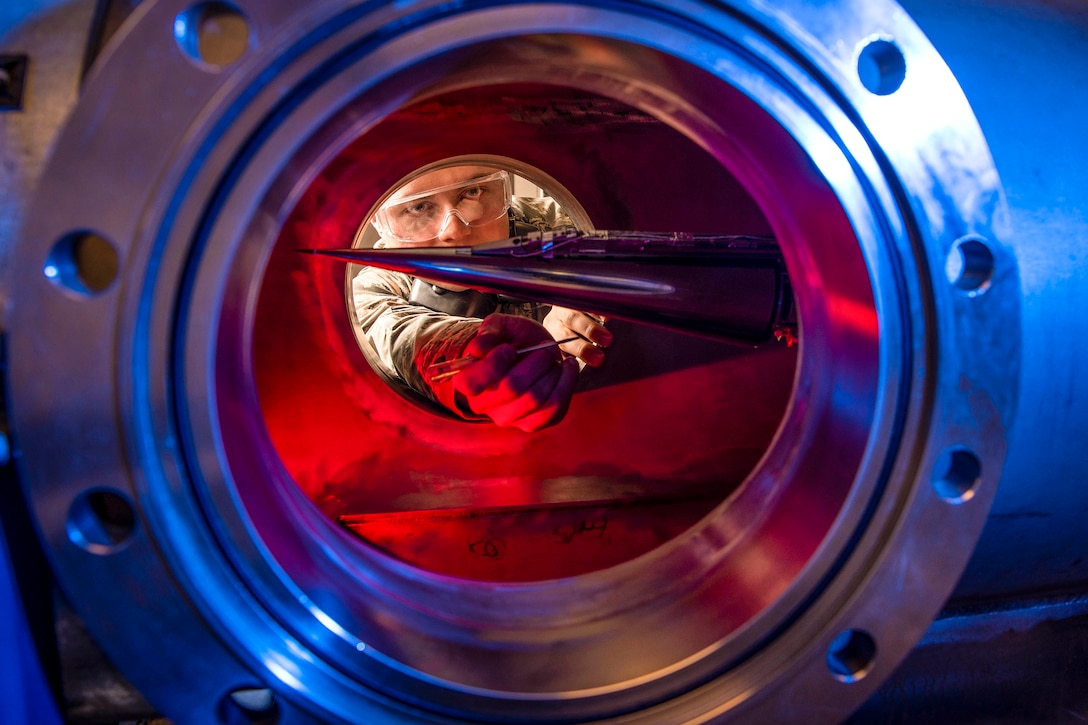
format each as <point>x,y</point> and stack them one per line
<point>903,363</point>
<point>23,687</point>
<point>1032,113</point>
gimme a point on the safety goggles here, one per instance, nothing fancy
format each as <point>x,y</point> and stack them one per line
<point>424,216</point>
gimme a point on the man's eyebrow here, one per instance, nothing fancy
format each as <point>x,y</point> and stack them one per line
<point>425,192</point>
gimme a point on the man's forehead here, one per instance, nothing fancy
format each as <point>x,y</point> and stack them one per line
<point>442,177</point>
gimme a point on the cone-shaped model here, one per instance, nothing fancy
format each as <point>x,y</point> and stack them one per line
<point>731,287</point>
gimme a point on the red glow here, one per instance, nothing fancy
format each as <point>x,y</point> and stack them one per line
<point>653,440</point>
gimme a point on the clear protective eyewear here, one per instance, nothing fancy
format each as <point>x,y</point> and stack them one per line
<point>423,216</point>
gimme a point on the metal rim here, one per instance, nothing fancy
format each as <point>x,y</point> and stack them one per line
<point>191,478</point>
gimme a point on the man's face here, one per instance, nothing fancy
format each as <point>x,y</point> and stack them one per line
<point>460,193</point>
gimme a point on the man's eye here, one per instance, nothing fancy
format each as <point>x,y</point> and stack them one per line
<point>418,208</point>
<point>473,192</point>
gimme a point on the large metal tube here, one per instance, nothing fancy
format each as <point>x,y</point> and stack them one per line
<point>1034,540</point>
<point>186,386</point>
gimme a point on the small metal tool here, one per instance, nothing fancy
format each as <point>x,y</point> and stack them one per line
<point>449,368</point>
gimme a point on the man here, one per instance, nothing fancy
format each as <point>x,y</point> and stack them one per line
<point>460,206</point>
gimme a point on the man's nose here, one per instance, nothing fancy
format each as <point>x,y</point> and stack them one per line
<point>454,227</point>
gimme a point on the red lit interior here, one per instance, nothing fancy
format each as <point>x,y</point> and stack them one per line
<point>653,441</point>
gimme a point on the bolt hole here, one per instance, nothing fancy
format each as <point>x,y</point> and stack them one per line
<point>215,34</point>
<point>249,706</point>
<point>101,521</point>
<point>851,655</point>
<point>956,475</point>
<point>970,265</point>
<point>882,67</point>
<point>82,262</point>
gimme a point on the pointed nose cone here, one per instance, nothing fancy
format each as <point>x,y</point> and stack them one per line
<point>734,288</point>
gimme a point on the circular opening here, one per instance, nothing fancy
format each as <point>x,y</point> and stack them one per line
<point>850,656</point>
<point>956,475</point>
<point>675,473</point>
<point>249,706</point>
<point>215,34</point>
<point>536,203</point>
<point>882,67</point>
<point>466,497</point>
<point>101,521</point>
<point>82,262</point>
<point>970,265</point>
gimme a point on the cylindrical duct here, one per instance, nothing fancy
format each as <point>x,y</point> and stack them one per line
<point>1031,118</point>
<point>196,422</point>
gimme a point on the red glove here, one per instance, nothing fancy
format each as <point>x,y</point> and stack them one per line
<point>530,391</point>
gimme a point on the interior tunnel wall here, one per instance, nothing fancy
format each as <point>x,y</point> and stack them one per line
<point>657,416</point>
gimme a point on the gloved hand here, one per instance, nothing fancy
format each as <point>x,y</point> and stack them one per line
<point>563,322</point>
<point>530,391</point>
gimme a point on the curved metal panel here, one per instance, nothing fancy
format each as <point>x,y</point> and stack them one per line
<point>192,406</point>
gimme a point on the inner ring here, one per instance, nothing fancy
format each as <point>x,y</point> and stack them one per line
<point>747,554</point>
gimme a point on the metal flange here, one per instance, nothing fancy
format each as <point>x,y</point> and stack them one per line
<point>220,590</point>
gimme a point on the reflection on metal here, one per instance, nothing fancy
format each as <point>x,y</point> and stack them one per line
<point>213,395</point>
<point>724,286</point>
<point>552,539</point>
